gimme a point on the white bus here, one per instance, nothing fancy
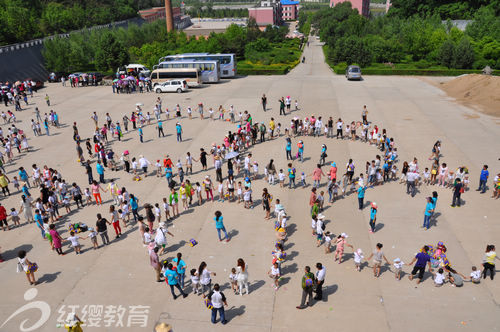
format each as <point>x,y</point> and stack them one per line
<point>210,70</point>
<point>191,75</point>
<point>227,61</point>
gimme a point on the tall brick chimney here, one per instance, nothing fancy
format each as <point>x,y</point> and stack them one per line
<point>169,15</point>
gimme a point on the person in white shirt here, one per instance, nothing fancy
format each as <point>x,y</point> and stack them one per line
<point>74,242</point>
<point>218,302</point>
<point>320,280</point>
<point>439,278</point>
<point>358,257</point>
<point>143,163</point>
<point>398,267</point>
<point>475,275</point>
<point>247,165</point>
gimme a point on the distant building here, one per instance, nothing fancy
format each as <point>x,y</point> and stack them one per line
<point>363,6</point>
<point>290,10</point>
<point>158,13</point>
<point>268,12</point>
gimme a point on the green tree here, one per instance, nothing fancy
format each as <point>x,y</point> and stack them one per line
<point>110,53</point>
<point>447,53</point>
<point>464,55</point>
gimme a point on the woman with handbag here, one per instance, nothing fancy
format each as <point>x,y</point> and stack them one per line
<point>28,267</point>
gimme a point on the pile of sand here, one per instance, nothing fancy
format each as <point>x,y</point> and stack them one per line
<point>479,91</point>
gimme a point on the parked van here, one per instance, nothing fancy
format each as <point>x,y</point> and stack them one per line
<point>191,75</point>
<point>135,68</point>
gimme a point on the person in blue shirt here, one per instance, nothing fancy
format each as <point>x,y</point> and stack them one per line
<point>134,205</point>
<point>23,176</point>
<point>288,149</point>
<point>141,135</point>
<point>100,170</point>
<point>178,129</point>
<point>429,208</point>
<point>291,176</point>
<point>323,155</point>
<point>219,225</point>
<point>300,145</point>
<point>25,190</point>
<point>39,222</point>
<point>483,179</point>
<point>434,202</point>
<point>181,268</point>
<point>173,280</point>
<point>373,216</point>
<point>386,170</point>
<point>118,129</point>
<point>361,196</point>
<point>159,126</point>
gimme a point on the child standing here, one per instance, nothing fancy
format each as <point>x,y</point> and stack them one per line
<point>358,257</point>
<point>15,217</point>
<point>74,242</point>
<point>195,280</point>
<point>158,168</point>
<point>157,212</point>
<point>398,268</point>
<point>87,197</point>
<point>341,242</point>
<point>93,237</point>
<point>220,189</point>
<point>321,199</point>
<point>247,198</point>
<point>281,178</point>
<point>15,182</point>
<point>233,279</point>
<point>255,170</point>
<point>274,273</point>
<point>328,242</point>
<point>303,179</point>
<point>239,192</point>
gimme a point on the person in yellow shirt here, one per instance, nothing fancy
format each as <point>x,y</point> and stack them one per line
<point>272,126</point>
<point>183,193</point>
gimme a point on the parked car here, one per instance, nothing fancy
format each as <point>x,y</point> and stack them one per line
<point>172,86</point>
<point>56,76</point>
<point>98,76</point>
<point>353,73</point>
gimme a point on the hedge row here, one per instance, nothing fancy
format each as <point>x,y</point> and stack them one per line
<point>263,71</point>
<point>421,72</point>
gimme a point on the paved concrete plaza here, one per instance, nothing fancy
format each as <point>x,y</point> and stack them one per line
<point>415,113</point>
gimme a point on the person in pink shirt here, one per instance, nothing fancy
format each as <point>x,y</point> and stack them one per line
<point>56,239</point>
<point>316,175</point>
<point>332,173</point>
<point>312,198</point>
<point>95,187</point>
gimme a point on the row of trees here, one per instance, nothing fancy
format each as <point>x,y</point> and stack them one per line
<point>445,9</point>
<point>352,38</point>
<point>105,50</point>
<point>22,20</point>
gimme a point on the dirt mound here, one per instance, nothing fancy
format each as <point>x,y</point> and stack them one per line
<point>479,91</point>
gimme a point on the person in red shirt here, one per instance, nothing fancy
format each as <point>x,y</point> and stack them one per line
<point>167,162</point>
<point>3,218</point>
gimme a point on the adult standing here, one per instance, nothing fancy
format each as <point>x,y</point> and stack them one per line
<point>429,209</point>
<point>489,261</point>
<point>102,228</point>
<point>76,193</point>
<point>180,268</point>
<point>218,301</point>
<point>264,102</point>
<point>483,179</point>
<point>28,267</point>
<point>4,183</point>
<point>161,237</point>
<point>422,258</point>
<point>205,278</point>
<point>288,149</point>
<point>88,171</point>
<point>3,218</point>
<point>178,130</point>
<point>377,255</point>
<point>361,196</point>
<point>95,188</point>
<point>100,170</point>
<point>458,189</point>
<point>364,114</point>
<point>320,280</point>
<point>282,106</point>
<point>155,263</point>
<point>143,163</point>
<point>242,275</point>
<point>307,288</point>
<point>411,179</point>
<point>26,207</point>
<point>219,225</point>
<point>316,175</point>
<point>134,206</point>
<point>173,281</point>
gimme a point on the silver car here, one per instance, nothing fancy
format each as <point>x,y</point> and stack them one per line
<point>353,73</point>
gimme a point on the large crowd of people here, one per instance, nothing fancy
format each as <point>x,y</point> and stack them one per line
<point>45,195</point>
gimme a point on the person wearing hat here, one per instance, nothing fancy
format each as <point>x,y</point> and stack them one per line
<point>373,216</point>
<point>160,237</point>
